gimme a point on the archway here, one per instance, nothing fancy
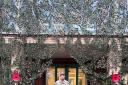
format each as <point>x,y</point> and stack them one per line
<point>63,62</point>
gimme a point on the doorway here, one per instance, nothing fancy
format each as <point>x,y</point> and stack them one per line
<point>73,74</point>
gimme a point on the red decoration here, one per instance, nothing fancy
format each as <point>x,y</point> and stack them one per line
<point>15,76</point>
<point>116,78</point>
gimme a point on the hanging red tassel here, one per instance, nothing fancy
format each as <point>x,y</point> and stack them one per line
<point>15,76</point>
<point>116,78</point>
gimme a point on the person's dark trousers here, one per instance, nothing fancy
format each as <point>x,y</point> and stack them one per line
<point>88,82</point>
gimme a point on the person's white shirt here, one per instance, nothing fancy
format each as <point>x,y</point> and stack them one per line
<point>64,82</point>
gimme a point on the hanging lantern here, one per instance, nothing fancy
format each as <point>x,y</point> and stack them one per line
<point>15,75</point>
<point>116,78</point>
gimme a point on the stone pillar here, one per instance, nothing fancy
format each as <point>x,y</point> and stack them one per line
<point>114,59</point>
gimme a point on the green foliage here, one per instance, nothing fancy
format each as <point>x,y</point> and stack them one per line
<point>101,16</point>
<point>91,58</point>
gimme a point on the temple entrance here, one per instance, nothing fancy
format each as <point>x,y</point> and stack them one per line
<point>73,74</point>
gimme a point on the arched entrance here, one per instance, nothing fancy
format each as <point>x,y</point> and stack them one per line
<point>63,62</point>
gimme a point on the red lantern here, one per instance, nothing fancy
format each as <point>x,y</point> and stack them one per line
<point>116,78</point>
<point>15,76</point>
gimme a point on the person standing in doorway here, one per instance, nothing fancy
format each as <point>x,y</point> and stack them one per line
<point>62,80</point>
